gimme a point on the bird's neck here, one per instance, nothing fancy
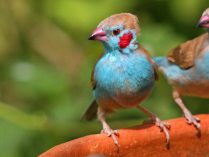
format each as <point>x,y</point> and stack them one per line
<point>129,49</point>
<point>108,48</point>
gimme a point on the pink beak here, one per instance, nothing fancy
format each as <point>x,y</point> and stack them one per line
<point>98,34</point>
<point>204,21</point>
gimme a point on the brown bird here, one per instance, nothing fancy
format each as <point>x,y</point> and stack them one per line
<point>124,75</point>
<point>187,69</point>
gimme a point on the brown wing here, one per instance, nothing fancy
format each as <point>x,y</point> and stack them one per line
<point>93,82</point>
<point>91,111</point>
<point>184,55</point>
<point>141,48</point>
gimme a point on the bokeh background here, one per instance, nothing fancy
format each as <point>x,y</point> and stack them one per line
<point>46,61</point>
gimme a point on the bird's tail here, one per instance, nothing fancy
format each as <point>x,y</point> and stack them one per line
<point>91,111</point>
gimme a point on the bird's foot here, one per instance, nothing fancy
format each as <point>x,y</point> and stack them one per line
<point>193,120</point>
<point>164,126</point>
<point>111,133</point>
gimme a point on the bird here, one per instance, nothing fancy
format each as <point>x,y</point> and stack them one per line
<point>124,75</point>
<point>186,69</point>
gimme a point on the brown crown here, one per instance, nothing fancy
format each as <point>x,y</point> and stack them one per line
<point>130,21</point>
<point>206,12</point>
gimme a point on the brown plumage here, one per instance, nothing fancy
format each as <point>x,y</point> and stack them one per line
<point>130,21</point>
<point>151,61</point>
<point>185,54</point>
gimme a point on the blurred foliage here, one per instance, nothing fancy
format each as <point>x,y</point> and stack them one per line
<point>46,61</point>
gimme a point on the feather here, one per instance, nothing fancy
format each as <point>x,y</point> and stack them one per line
<point>142,49</point>
<point>185,54</point>
<point>93,81</point>
<point>91,111</point>
<point>130,21</point>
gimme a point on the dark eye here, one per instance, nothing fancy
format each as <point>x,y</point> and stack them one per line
<point>116,32</point>
<point>205,22</point>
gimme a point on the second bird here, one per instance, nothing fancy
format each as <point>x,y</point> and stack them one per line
<point>124,75</point>
<point>187,69</point>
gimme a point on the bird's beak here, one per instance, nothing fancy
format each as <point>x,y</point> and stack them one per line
<point>98,34</point>
<point>204,22</point>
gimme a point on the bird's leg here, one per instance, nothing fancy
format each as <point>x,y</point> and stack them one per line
<point>164,126</point>
<point>189,117</point>
<point>106,128</point>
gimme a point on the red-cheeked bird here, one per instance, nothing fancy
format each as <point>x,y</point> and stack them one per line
<point>187,69</point>
<point>124,75</point>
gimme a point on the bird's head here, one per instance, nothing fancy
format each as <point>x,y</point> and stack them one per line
<point>204,20</point>
<point>118,32</point>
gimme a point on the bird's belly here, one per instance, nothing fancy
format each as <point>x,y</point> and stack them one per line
<point>199,84</point>
<point>197,89</point>
<point>110,103</point>
<point>123,93</point>
<point>122,84</point>
<point>194,81</point>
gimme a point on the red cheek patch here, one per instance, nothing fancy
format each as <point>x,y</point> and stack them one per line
<point>125,40</point>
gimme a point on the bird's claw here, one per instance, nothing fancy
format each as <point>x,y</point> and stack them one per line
<point>193,120</point>
<point>164,126</point>
<point>111,133</point>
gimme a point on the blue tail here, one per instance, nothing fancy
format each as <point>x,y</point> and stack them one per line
<point>161,61</point>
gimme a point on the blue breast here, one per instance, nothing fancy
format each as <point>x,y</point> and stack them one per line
<point>121,76</point>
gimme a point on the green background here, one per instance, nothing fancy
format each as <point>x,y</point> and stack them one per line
<point>46,62</point>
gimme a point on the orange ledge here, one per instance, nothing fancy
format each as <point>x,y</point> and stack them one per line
<point>140,141</point>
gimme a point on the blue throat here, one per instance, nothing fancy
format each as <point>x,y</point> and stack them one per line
<point>129,49</point>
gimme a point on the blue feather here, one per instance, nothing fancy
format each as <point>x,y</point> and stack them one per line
<point>123,76</point>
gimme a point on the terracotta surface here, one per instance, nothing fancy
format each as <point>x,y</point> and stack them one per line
<point>140,141</point>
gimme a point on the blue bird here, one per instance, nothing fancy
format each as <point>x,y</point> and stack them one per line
<point>124,75</point>
<point>187,69</point>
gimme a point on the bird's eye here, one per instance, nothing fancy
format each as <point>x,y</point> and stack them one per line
<point>205,22</point>
<point>116,32</point>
